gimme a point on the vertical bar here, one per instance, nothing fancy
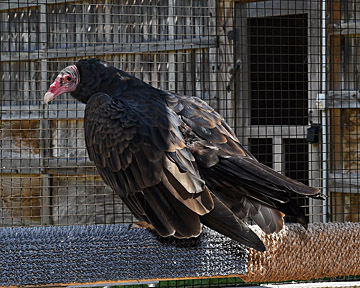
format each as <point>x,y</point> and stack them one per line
<point>324,120</point>
<point>278,155</point>
<point>213,56</point>
<point>225,23</point>
<point>107,24</point>
<point>171,62</point>
<point>44,126</point>
<point>242,111</point>
<point>314,85</point>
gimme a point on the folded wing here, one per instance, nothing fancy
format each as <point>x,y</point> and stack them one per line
<point>246,187</point>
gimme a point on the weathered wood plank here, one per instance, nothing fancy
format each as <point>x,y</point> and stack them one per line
<point>336,130</point>
<point>334,46</point>
<point>5,83</point>
<point>205,74</point>
<point>80,199</point>
<point>241,74</point>
<point>190,73</point>
<point>349,63</point>
<point>84,199</point>
<point>154,71</point>
<point>292,131</point>
<point>225,24</point>
<point>344,28</point>
<point>31,3</point>
<point>350,139</point>
<point>278,154</point>
<point>276,8</point>
<point>68,139</point>
<point>5,31</point>
<point>345,205</point>
<point>335,84</point>
<point>66,152</point>
<point>343,99</point>
<point>348,183</point>
<point>335,63</point>
<point>45,133</point>
<point>213,65</point>
<point>34,112</point>
<point>19,139</point>
<point>56,166</point>
<point>314,57</point>
<point>344,196</point>
<point>314,115</point>
<point>70,166</point>
<point>126,48</point>
<point>21,82</point>
<point>163,70</point>
<point>20,30</point>
<point>180,70</point>
<point>23,166</point>
<point>20,196</point>
<point>247,1</point>
<point>171,56</point>
<point>198,75</point>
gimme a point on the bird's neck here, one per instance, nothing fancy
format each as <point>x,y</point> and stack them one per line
<point>114,83</point>
<point>107,84</point>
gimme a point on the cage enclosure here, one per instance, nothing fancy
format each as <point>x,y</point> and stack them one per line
<point>284,75</point>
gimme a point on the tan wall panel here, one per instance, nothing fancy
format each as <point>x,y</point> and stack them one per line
<point>20,199</point>
<point>19,139</point>
<point>86,200</point>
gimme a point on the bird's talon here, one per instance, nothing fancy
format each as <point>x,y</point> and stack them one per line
<point>142,225</point>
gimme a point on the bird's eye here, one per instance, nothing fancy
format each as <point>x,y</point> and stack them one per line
<point>68,78</point>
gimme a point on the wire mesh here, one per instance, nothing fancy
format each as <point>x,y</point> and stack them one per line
<point>263,65</point>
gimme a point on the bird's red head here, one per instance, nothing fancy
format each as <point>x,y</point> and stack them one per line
<point>66,81</point>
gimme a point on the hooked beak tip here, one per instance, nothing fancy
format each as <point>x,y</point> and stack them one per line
<point>48,97</point>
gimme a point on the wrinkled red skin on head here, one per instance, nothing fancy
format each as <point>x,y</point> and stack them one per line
<point>64,82</point>
<point>55,86</point>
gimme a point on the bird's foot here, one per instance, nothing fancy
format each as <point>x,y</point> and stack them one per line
<point>142,224</point>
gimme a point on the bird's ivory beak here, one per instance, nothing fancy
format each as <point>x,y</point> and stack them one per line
<point>48,97</point>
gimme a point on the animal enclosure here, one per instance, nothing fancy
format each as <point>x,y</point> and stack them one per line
<point>284,75</point>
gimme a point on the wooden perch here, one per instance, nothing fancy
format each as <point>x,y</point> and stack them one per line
<point>104,254</point>
<point>64,255</point>
<point>322,251</point>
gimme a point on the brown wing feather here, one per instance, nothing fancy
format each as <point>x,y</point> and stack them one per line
<point>144,158</point>
<point>161,152</point>
<point>249,188</point>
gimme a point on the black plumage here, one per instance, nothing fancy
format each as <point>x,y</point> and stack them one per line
<point>175,162</point>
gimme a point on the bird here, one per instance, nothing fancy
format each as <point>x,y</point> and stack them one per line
<point>174,161</point>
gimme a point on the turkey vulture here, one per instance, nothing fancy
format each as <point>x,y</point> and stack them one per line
<point>173,159</point>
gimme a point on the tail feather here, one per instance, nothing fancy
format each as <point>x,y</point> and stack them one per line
<point>251,189</point>
<point>167,211</point>
<point>252,170</point>
<point>222,220</point>
<point>268,219</point>
<point>292,209</point>
<point>139,207</point>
